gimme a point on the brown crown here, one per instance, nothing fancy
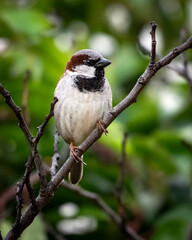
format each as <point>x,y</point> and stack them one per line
<point>75,61</point>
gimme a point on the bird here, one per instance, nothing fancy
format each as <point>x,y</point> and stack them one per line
<point>84,100</point>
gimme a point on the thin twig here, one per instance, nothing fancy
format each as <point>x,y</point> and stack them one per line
<point>26,179</point>
<point>10,193</point>
<point>34,157</point>
<point>20,187</point>
<point>153,42</point>
<point>35,154</point>
<point>19,200</point>
<point>30,191</point>
<point>41,172</point>
<point>56,155</point>
<point>47,118</point>
<point>183,71</point>
<point>28,182</point>
<point>185,62</point>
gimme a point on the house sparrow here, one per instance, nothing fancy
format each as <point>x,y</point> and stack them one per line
<point>84,99</point>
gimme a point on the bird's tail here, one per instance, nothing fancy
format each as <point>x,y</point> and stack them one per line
<point>76,172</point>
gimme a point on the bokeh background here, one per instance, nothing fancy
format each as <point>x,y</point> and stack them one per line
<point>39,37</point>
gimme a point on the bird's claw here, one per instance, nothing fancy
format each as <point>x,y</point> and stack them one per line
<point>74,155</point>
<point>102,127</point>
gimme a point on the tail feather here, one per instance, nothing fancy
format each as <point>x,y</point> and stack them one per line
<point>76,172</point>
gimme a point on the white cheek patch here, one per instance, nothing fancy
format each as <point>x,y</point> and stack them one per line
<point>85,70</point>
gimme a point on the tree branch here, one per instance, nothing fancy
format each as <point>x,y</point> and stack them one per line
<point>56,155</point>
<point>44,124</point>
<point>34,157</point>
<point>153,42</point>
<point>19,200</point>
<point>183,71</point>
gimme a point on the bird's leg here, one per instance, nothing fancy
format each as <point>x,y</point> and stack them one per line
<point>102,127</point>
<point>73,153</point>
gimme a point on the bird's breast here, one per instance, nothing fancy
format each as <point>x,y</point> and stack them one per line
<point>76,113</point>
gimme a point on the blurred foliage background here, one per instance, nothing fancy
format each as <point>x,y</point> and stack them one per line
<point>40,36</point>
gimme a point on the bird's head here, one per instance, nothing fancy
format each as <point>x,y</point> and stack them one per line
<point>88,63</point>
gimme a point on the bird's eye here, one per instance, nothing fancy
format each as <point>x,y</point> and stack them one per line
<point>88,61</point>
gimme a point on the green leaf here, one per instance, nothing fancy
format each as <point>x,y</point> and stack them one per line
<point>25,21</point>
<point>5,227</point>
<point>152,153</point>
<point>174,224</point>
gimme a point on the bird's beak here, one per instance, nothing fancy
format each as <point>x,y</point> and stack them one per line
<point>103,62</point>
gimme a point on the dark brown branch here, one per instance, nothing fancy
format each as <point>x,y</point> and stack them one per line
<point>42,199</point>
<point>41,172</point>
<point>19,200</point>
<point>44,124</point>
<point>153,42</point>
<point>35,154</point>
<point>20,187</point>
<point>109,211</point>
<point>30,191</point>
<point>56,155</point>
<point>39,166</point>
<point>10,193</point>
<point>34,157</point>
<point>183,71</point>
<point>186,73</point>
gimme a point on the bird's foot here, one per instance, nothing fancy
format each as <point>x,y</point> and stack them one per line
<point>74,154</point>
<point>101,127</point>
